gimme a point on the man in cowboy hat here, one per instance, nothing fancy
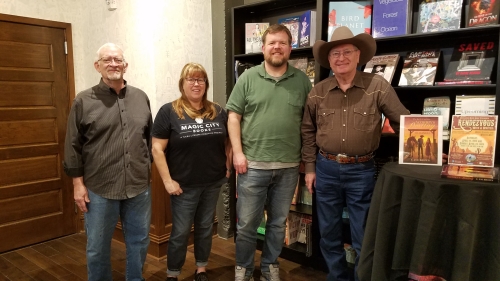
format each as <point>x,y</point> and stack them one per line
<point>341,129</point>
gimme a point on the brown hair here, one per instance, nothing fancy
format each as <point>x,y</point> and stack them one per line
<point>182,104</point>
<point>275,28</point>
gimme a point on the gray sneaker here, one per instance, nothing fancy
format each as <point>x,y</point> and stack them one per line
<point>239,274</point>
<point>272,275</point>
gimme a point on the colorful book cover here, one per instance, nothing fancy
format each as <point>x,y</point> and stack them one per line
<point>311,72</point>
<point>386,126</point>
<point>470,82</point>
<point>384,65</point>
<point>391,18</point>
<point>483,12</point>
<point>472,140</point>
<point>303,234</point>
<point>292,23</point>
<point>472,61</point>
<point>439,15</point>
<point>475,105</point>
<point>420,68</point>
<point>488,174</point>
<point>357,15</point>
<point>439,106</point>
<point>421,140</point>
<point>253,36</point>
<point>300,63</point>
<point>307,25</point>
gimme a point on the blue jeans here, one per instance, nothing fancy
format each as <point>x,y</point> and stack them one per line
<point>275,188</point>
<point>195,205</point>
<point>100,222</point>
<point>336,185</point>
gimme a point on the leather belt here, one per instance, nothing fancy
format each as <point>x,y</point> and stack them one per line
<point>345,159</point>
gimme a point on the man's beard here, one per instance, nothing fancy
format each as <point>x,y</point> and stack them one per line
<point>275,62</point>
<point>114,76</point>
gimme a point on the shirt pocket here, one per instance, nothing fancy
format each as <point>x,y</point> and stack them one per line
<point>364,119</point>
<point>295,99</point>
<point>325,119</point>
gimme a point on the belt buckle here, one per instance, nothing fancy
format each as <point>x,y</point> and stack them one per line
<point>342,158</point>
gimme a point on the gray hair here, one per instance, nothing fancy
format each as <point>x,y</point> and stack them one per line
<point>113,45</point>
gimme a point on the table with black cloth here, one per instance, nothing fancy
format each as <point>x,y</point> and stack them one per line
<point>426,225</point>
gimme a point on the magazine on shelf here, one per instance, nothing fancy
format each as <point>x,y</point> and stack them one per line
<point>292,227</point>
<point>475,105</point>
<point>472,140</point>
<point>419,68</point>
<point>472,60</point>
<point>439,15</point>
<point>483,12</point>
<point>384,65</point>
<point>307,26</point>
<point>253,36</point>
<point>292,23</point>
<point>304,222</point>
<point>471,173</point>
<point>439,106</point>
<point>391,18</point>
<point>421,139</point>
<point>357,15</point>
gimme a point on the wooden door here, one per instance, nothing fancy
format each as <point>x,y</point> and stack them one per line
<point>36,198</point>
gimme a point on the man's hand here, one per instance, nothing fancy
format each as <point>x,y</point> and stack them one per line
<point>173,187</point>
<point>310,182</point>
<point>240,163</point>
<point>80,194</point>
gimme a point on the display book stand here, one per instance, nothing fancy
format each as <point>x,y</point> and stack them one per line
<point>411,96</point>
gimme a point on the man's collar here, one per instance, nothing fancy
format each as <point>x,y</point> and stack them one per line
<point>262,71</point>
<point>357,81</point>
<point>106,88</point>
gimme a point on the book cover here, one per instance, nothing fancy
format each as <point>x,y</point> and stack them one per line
<point>466,82</point>
<point>421,140</point>
<point>304,222</point>
<point>391,18</point>
<point>386,126</point>
<point>357,15</point>
<point>293,222</point>
<point>472,61</point>
<point>307,35</point>
<point>420,68</point>
<point>488,174</point>
<point>384,65</point>
<point>472,140</point>
<point>475,105</point>
<point>300,63</point>
<point>311,72</point>
<point>253,36</point>
<point>439,106</point>
<point>483,12</point>
<point>439,15</point>
<point>292,23</point>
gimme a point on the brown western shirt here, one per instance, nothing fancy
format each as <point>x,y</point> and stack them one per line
<point>347,122</point>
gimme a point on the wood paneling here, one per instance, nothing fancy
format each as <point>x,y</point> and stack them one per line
<point>29,169</point>
<point>31,56</point>
<point>27,132</point>
<point>26,94</point>
<point>34,205</point>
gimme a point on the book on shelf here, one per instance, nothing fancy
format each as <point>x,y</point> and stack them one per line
<point>472,140</point>
<point>292,229</point>
<point>307,26</point>
<point>439,106</point>
<point>296,195</point>
<point>440,15</point>
<point>292,23</point>
<point>470,173</point>
<point>419,68</point>
<point>253,36</point>
<point>466,82</point>
<point>300,63</point>
<point>357,15</point>
<point>311,71</point>
<point>475,105</point>
<point>483,12</point>
<point>386,126</point>
<point>384,65</point>
<point>472,60</point>
<point>304,222</point>
<point>421,139</point>
<point>305,195</point>
<point>391,18</point>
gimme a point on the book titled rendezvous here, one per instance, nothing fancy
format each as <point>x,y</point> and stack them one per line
<point>292,23</point>
<point>357,15</point>
<point>307,35</point>
<point>487,174</point>
<point>384,65</point>
<point>472,61</point>
<point>391,18</point>
<point>483,12</point>
<point>420,68</point>
<point>440,15</point>
<point>421,139</point>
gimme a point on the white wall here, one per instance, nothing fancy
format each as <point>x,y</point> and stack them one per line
<point>158,37</point>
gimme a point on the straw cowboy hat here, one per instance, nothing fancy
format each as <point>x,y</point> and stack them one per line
<point>343,35</point>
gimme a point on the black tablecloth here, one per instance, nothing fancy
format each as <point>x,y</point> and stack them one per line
<point>424,224</point>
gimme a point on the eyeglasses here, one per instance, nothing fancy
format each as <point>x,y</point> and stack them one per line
<point>345,53</point>
<point>108,60</point>
<point>201,81</point>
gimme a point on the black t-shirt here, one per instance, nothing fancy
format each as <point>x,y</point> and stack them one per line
<point>195,151</point>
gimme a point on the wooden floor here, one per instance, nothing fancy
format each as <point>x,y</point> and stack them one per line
<point>64,259</point>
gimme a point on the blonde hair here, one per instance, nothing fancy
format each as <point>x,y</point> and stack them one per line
<point>182,104</point>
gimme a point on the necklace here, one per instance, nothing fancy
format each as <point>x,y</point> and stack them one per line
<point>198,120</point>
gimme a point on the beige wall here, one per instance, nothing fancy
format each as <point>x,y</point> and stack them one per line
<point>158,37</point>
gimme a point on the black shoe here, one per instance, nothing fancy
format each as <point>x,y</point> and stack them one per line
<point>202,276</point>
<point>171,279</point>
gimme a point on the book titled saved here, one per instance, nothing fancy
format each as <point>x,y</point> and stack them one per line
<point>487,174</point>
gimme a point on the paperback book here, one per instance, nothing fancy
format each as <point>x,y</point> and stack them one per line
<point>421,140</point>
<point>488,174</point>
<point>307,35</point>
<point>441,15</point>
<point>475,105</point>
<point>420,68</point>
<point>472,140</point>
<point>357,15</point>
<point>305,222</point>
<point>292,227</point>
<point>391,18</point>
<point>439,106</point>
<point>483,12</point>
<point>386,126</point>
<point>253,36</point>
<point>384,66</point>
<point>292,23</point>
<point>472,61</point>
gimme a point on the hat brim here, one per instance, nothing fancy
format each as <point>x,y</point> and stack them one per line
<point>364,42</point>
